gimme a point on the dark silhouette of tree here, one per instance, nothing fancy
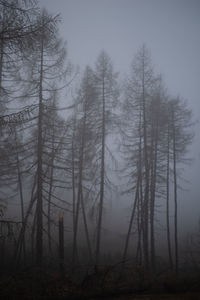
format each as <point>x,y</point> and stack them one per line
<point>181,136</point>
<point>84,143</point>
<point>150,146</point>
<point>106,85</point>
<point>45,65</point>
<point>137,142</point>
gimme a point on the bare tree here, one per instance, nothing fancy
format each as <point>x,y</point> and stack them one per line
<point>84,142</point>
<point>44,65</point>
<point>181,136</point>
<point>106,85</point>
<point>137,139</point>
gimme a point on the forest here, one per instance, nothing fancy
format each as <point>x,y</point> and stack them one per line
<point>77,146</point>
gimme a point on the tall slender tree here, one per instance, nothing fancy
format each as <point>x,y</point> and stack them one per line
<point>137,141</point>
<point>181,136</point>
<point>106,86</point>
<point>44,65</point>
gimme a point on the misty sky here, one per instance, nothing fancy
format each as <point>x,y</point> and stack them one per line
<point>169,28</point>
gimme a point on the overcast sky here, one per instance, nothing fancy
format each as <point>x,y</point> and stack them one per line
<point>169,28</point>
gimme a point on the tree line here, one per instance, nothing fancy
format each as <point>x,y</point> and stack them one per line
<point>51,163</point>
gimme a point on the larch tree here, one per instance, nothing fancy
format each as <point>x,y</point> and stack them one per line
<point>84,142</point>
<point>44,67</point>
<point>140,87</point>
<point>181,136</point>
<point>107,95</point>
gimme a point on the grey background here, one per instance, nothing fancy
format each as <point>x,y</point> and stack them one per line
<point>170,29</point>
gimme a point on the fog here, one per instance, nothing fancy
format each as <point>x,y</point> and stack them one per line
<point>100,137</point>
<point>170,30</point>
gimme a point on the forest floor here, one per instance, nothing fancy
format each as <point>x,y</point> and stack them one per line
<point>179,296</point>
<point>36,284</point>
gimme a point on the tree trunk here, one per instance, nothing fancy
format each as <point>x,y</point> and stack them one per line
<point>167,203</point>
<point>73,188</point>
<point>102,183</point>
<point>131,220</point>
<point>49,201</point>
<point>86,228</point>
<point>39,232</point>
<point>146,192</point>
<point>82,147</point>
<point>175,195</point>
<point>153,190</point>
<point>21,195</point>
